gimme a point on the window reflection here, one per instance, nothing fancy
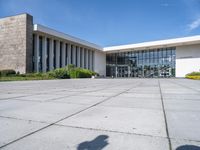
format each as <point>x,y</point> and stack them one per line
<point>145,63</point>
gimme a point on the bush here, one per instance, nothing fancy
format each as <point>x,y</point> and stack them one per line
<point>193,77</point>
<point>193,74</point>
<point>61,73</point>
<point>7,72</point>
<point>80,72</point>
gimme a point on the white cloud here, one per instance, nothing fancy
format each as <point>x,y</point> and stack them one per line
<point>195,24</point>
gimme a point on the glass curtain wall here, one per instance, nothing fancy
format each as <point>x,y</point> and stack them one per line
<point>144,63</point>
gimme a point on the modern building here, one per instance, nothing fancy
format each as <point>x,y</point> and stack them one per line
<point>28,47</point>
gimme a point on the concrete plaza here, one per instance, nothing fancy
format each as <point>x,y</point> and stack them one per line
<point>96,114</point>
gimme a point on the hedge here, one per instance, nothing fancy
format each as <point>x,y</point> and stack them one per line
<point>67,72</point>
<point>7,72</point>
<point>193,75</point>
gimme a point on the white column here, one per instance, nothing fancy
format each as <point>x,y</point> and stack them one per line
<point>63,54</point>
<point>44,54</point>
<point>36,53</point>
<point>83,53</point>
<point>74,55</point>
<point>78,57</point>
<point>57,54</point>
<point>51,55</point>
<point>68,53</point>
<point>86,54</point>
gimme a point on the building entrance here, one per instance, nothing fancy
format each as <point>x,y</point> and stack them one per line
<point>142,64</point>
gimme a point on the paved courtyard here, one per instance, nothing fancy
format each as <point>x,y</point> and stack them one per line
<point>100,114</point>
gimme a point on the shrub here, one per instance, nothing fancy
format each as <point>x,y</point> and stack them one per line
<point>7,72</point>
<point>80,73</point>
<point>193,77</point>
<point>60,73</point>
<point>193,74</point>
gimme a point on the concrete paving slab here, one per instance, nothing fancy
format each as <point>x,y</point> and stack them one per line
<point>64,138</point>
<point>136,95</point>
<point>182,96</point>
<point>127,120</point>
<point>84,100</point>
<point>184,124</point>
<point>8,95</point>
<point>44,112</point>
<point>182,105</point>
<point>41,97</point>
<point>11,104</point>
<point>134,121</point>
<point>12,129</point>
<point>132,102</point>
<point>100,94</point>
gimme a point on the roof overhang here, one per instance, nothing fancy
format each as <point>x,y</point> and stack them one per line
<point>139,46</point>
<point>155,44</point>
<point>46,30</point>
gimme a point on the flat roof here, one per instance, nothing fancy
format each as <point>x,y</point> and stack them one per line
<point>156,44</point>
<point>43,29</point>
<point>138,46</point>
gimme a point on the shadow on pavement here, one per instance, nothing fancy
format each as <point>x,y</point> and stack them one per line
<point>97,144</point>
<point>188,147</point>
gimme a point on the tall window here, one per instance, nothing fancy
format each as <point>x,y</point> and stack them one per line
<point>72,59</point>
<point>81,64</point>
<point>33,52</point>
<point>54,54</point>
<point>85,58</point>
<point>40,53</point>
<point>76,54</point>
<point>48,49</point>
<point>61,54</point>
<point>66,54</point>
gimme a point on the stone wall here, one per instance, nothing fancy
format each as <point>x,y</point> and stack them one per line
<point>16,43</point>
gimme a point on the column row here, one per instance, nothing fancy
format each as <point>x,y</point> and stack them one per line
<point>49,54</point>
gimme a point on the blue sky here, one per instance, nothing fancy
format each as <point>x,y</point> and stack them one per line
<point>112,22</point>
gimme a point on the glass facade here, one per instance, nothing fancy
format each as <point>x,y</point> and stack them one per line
<point>143,63</point>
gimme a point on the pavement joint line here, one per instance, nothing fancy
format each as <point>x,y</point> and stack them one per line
<point>2,99</point>
<point>14,118</point>
<point>51,124</point>
<point>128,133</point>
<point>165,117</point>
<point>80,93</point>
<point>53,98</point>
<point>112,131</point>
<point>184,86</point>
<point>48,93</point>
<point>131,107</point>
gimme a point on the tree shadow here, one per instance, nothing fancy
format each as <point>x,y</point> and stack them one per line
<point>96,144</point>
<point>188,147</point>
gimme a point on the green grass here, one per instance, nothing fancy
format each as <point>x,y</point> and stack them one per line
<point>20,78</point>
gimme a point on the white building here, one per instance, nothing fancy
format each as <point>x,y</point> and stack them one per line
<point>28,47</point>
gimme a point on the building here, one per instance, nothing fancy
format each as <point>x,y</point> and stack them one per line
<point>28,47</point>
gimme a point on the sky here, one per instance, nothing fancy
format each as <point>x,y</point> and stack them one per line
<point>112,22</point>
